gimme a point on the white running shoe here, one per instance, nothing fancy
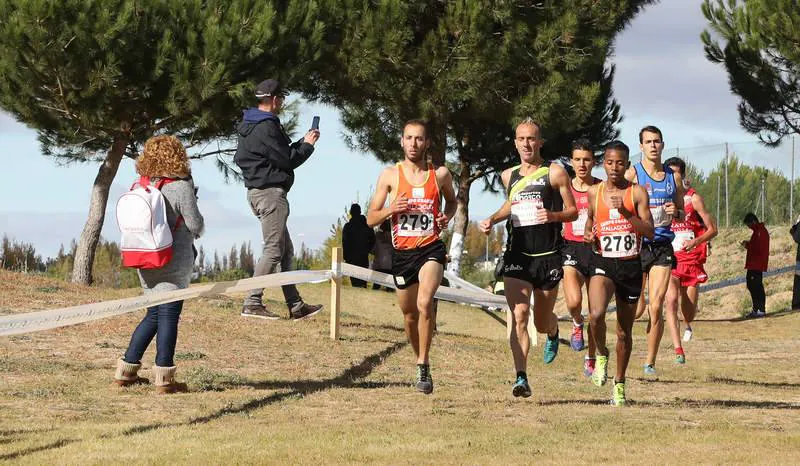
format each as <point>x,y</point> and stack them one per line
<point>687,335</point>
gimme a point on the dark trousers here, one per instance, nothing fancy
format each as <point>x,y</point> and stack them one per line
<point>161,320</point>
<point>755,285</point>
<point>796,288</point>
<point>361,262</point>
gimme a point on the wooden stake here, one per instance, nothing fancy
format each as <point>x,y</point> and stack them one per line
<point>336,290</point>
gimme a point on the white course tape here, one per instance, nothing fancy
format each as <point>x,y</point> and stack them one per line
<point>44,320</point>
<point>479,298</point>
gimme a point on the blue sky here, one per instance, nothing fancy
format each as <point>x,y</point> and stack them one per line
<point>662,78</point>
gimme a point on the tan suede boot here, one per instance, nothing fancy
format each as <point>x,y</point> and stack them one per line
<point>165,381</point>
<point>128,374</point>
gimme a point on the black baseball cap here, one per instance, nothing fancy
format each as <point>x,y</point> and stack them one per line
<point>269,88</point>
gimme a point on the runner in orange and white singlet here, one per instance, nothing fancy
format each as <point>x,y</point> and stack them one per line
<point>415,190</point>
<point>691,242</point>
<point>575,254</point>
<point>619,217</point>
<point>416,227</point>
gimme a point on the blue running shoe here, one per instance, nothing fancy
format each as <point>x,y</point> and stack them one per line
<point>650,369</point>
<point>550,348</point>
<point>521,388</point>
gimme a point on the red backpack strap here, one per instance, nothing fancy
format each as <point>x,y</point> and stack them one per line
<point>162,181</point>
<point>144,182</point>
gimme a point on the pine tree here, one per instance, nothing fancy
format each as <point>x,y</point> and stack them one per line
<point>201,262</point>
<point>217,267</point>
<point>473,70</point>
<point>761,52</point>
<point>97,78</point>
<point>233,258</point>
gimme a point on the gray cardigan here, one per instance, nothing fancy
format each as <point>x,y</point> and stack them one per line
<point>180,199</point>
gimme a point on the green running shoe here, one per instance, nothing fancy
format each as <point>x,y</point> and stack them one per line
<point>521,388</point>
<point>550,348</point>
<point>619,394</point>
<point>680,359</point>
<point>600,374</point>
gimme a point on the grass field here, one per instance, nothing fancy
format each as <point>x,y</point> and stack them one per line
<point>283,392</point>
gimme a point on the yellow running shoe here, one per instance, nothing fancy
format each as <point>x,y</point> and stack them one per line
<point>619,394</point>
<point>600,374</point>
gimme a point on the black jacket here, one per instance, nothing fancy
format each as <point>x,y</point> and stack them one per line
<point>265,154</point>
<point>357,240</point>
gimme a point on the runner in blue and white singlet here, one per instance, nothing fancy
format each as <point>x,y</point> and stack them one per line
<point>665,189</point>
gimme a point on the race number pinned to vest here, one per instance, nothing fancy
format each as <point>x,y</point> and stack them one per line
<point>622,244</point>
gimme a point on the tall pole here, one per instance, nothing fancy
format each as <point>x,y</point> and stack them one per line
<point>487,246</point>
<point>791,189</point>
<point>719,194</point>
<point>727,212</point>
<point>763,200</point>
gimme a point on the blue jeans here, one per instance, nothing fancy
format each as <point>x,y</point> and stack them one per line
<point>161,320</point>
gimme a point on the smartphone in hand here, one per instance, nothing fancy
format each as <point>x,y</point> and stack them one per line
<point>315,123</point>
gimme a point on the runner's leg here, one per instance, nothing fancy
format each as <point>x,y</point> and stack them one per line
<point>518,296</point>
<point>407,299</point>
<point>671,310</point>
<point>430,277</point>
<point>641,305</point>
<point>656,290</point>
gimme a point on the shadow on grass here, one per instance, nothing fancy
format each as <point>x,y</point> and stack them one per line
<point>31,450</point>
<point>769,315</point>
<point>727,381</point>
<point>684,403</point>
<point>347,379</point>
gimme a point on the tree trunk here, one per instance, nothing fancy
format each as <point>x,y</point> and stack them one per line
<point>461,220</point>
<point>84,254</point>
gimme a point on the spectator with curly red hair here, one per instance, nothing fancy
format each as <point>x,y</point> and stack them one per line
<point>164,159</point>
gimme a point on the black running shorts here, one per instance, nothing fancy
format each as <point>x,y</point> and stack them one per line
<point>406,263</point>
<point>578,255</point>
<point>626,275</point>
<point>542,272</point>
<point>657,254</point>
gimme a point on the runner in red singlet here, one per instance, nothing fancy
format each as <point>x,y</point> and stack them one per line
<point>575,254</point>
<point>691,242</point>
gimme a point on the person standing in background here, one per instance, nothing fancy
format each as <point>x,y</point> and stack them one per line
<point>357,241</point>
<point>165,165</point>
<point>268,158</point>
<point>756,264</point>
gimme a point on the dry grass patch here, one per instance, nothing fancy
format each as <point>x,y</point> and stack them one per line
<point>283,392</point>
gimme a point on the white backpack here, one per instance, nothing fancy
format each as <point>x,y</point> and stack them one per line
<point>142,219</point>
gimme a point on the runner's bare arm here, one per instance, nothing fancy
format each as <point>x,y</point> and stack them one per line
<point>377,213</point>
<point>445,180</point>
<point>679,211</point>
<point>559,178</point>
<point>643,221</point>
<point>630,174</point>
<point>708,219</point>
<point>588,231</point>
<point>503,212</point>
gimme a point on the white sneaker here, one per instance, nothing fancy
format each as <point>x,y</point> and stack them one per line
<point>687,335</point>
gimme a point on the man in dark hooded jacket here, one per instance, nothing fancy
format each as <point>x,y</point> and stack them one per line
<point>357,241</point>
<point>267,158</point>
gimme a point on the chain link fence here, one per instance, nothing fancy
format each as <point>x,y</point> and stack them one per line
<point>736,178</point>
